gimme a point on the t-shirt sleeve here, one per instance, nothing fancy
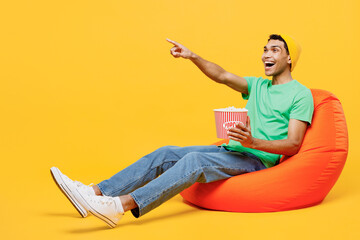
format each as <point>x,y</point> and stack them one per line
<point>250,81</point>
<point>303,107</point>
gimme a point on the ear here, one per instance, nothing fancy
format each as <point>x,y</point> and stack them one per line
<point>289,60</point>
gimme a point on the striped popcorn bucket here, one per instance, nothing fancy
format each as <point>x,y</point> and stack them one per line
<point>225,120</point>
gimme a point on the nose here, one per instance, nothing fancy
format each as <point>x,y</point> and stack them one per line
<point>267,54</point>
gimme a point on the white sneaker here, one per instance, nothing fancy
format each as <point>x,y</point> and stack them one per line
<point>108,209</point>
<point>69,187</point>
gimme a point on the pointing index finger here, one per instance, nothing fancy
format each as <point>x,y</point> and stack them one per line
<point>173,42</point>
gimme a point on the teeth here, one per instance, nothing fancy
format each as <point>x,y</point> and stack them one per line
<point>269,64</point>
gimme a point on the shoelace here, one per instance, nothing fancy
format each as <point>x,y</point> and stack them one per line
<point>77,183</point>
<point>103,200</point>
<point>87,189</point>
<point>80,184</point>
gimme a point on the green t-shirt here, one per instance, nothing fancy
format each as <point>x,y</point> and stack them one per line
<point>270,108</point>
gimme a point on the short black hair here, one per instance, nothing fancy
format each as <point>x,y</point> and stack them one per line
<point>278,37</point>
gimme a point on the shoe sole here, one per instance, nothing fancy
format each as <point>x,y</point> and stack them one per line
<point>107,220</point>
<point>104,218</point>
<point>56,174</point>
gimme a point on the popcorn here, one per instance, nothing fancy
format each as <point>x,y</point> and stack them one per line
<point>226,118</point>
<point>231,109</point>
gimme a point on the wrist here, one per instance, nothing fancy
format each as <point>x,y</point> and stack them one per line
<point>255,143</point>
<point>193,56</point>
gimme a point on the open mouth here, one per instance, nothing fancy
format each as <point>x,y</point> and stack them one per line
<point>269,65</point>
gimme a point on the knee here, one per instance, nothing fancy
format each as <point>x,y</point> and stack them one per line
<point>164,152</point>
<point>166,149</point>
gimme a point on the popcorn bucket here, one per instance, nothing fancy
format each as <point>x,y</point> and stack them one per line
<point>226,118</point>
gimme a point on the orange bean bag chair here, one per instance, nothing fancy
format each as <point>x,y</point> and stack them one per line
<point>299,181</point>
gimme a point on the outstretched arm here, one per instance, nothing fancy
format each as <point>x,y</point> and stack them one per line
<point>210,69</point>
<point>287,147</point>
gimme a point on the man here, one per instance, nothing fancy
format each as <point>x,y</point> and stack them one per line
<point>280,110</point>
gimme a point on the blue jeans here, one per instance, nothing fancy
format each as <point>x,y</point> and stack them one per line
<point>162,174</point>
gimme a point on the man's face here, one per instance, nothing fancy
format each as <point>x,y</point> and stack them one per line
<point>275,58</point>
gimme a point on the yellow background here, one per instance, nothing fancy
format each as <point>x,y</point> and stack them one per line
<point>90,87</point>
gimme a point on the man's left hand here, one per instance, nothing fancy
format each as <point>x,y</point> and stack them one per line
<point>242,134</point>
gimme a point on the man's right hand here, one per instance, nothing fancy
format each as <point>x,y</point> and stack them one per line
<point>212,70</point>
<point>179,50</point>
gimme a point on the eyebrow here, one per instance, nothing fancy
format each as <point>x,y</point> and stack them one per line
<point>272,46</point>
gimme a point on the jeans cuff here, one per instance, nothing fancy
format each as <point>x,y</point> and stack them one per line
<point>136,211</point>
<point>102,190</point>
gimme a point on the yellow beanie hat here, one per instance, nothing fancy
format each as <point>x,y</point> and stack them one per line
<point>294,49</point>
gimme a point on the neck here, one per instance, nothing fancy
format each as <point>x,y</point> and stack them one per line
<point>282,78</point>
